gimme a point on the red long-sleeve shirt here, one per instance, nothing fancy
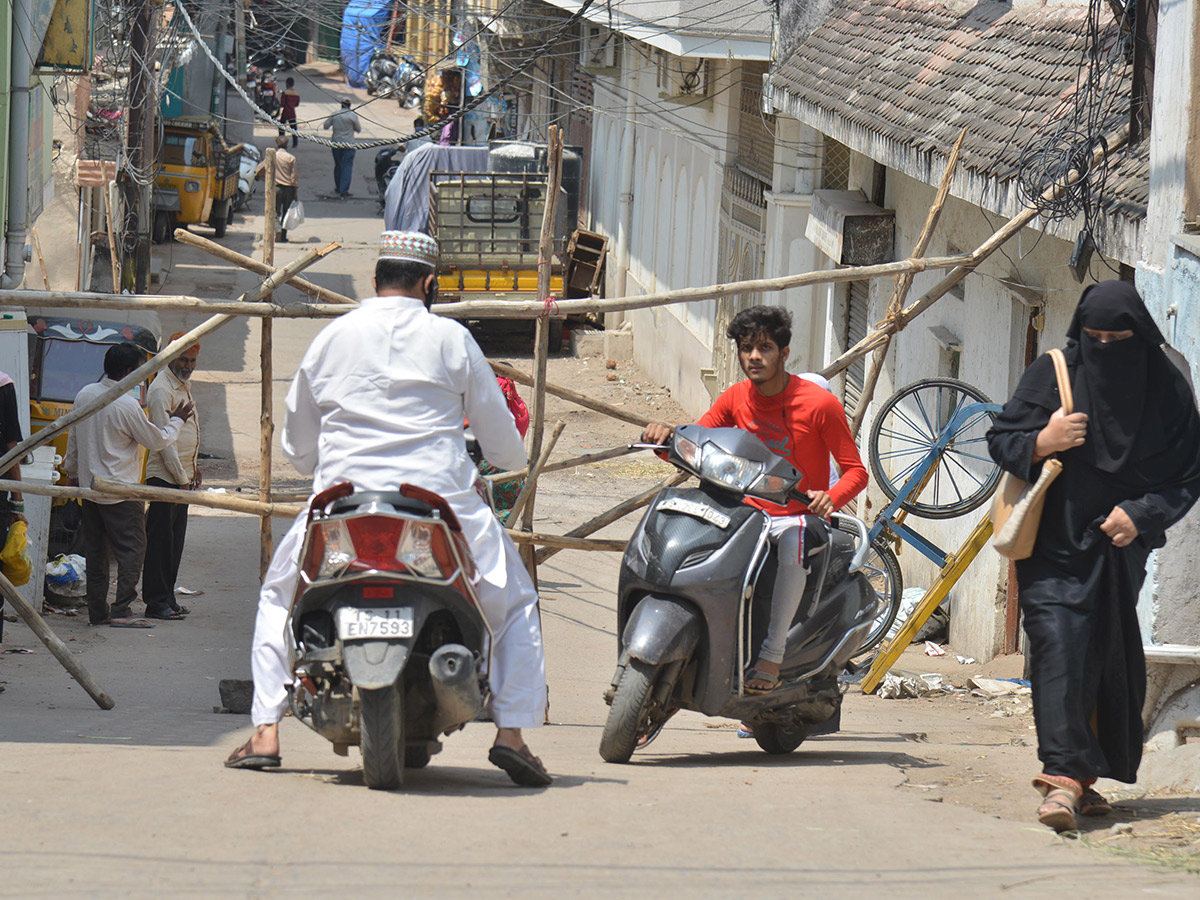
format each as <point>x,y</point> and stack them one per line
<point>805,424</point>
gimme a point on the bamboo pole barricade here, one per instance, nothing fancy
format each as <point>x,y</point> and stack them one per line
<point>126,491</point>
<point>541,342</point>
<point>569,463</point>
<point>575,397</point>
<point>266,424</point>
<point>525,495</point>
<point>903,283</point>
<point>54,644</point>
<point>159,361</point>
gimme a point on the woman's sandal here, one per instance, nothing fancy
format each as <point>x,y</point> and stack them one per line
<point>1061,801</point>
<point>1092,803</point>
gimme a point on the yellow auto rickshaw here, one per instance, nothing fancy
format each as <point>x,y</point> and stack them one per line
<point>197,179</point>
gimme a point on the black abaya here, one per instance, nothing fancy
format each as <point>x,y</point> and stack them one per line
<point>1078,592</point>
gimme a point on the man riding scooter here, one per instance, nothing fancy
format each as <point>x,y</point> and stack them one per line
<point>802,423</point>
<point>379,402</point>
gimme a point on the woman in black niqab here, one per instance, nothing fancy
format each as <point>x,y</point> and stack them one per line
<point>1131,469</point>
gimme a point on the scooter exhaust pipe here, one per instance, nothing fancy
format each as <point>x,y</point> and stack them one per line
<point>455,687</point>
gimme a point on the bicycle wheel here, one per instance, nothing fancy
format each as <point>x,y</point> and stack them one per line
<point>883,571</point>
<point>904,433</point>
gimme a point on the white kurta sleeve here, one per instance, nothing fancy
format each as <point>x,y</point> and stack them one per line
<point>157,403</point>
<point>488,413</point>
<point>135,424</point>
<point>300,439</point>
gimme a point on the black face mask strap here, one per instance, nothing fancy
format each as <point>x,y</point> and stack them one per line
<point>432,293</point>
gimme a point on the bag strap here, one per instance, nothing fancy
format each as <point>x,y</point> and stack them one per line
<point>1064,381</point>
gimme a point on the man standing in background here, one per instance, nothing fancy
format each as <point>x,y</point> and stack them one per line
<point>288,101</point>
<point>285,182</point>
<point>344,124</point>
<point>174,466</point>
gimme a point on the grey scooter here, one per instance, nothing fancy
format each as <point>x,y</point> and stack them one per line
<point>694,600</point>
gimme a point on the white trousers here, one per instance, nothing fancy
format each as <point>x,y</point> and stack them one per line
<point>518,672</point>
<point>790,579</point>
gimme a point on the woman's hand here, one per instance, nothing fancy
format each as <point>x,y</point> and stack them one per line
<point>1061,433</point>
<point>1119,527</point>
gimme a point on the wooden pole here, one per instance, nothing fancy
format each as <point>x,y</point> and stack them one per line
<point>1013,226</point>
<point>622,509</point>
<point>904,282</point>
<point>530,485</point>
<point>266,541</point>
<point>562,542</point>
<point>323,295</point>
<point>575,397</point>
<point>159,361</point>
<point>60,651</point>
<point>174,303</point>
<point>208,499</point>
<point>511,309</point>
<point>569,463</point>
<point>112,240</point>
<point>541,345</point>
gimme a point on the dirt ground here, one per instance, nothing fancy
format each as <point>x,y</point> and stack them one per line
<point>925,797</point>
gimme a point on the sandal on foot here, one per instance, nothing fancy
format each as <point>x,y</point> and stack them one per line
<point>1093,803</point>
<point>522,766</point>
<point>245,758</point>
<point>1060,804</point>
<point>760,675</point>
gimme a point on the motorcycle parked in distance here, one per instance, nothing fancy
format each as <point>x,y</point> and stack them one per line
<point>410,83</point>
<point>251,157</point>
<point>381,73</point>
<point>387,161</point>
<point>694,601</point>
<point>387,640</point>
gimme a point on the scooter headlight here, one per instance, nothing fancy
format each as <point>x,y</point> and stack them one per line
<point>731,471</point>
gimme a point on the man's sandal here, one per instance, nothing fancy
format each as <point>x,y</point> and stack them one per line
<point>760,675</point>
<point>1061,800</point>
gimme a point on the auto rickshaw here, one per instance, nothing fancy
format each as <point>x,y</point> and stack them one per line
<point>198,178</point>
<point>66,353</point>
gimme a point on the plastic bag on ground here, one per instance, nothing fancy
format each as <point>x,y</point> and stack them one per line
<point>14,557</point>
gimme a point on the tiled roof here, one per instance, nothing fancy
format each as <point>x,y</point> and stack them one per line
<point>909,74</point>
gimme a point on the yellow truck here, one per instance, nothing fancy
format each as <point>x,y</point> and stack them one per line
<point>197,181</point>
<point>488,225</point>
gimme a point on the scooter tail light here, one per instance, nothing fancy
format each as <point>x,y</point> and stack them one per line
<point>330,550</point>
<point>416,550</point>
<point>375,540</point>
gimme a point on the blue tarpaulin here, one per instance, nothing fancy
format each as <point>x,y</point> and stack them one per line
<point>364,29</point>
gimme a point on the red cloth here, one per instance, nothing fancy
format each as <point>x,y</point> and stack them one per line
<point>516,405</point>
<point>805,424</point>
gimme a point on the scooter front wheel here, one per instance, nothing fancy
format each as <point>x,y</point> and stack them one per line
<point>629,717</point>
<point>382,738</point>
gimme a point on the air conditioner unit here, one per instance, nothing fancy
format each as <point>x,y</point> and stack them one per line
<point>683,80</point>
<point>599,49</point>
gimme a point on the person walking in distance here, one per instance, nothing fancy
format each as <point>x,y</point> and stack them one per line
<point>286,182</point>
<point>288,101</point>
<point>345,124</point>
<point>1130,457</point>
<point>379,401</point>
<point>105,444</point>
<point>175,466</point>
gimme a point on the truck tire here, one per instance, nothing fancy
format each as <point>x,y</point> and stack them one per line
<point>383,748</point>
<point>161,229</point>
<point>556,335</point>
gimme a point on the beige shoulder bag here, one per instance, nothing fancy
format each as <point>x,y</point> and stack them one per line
<point>1017,509</point>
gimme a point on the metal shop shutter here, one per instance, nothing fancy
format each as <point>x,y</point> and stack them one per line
<point>856,329</point>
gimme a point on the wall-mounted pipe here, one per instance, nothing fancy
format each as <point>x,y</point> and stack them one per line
<point>18,144</point>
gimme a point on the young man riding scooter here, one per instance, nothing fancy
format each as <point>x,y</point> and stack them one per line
<point>801,422</point>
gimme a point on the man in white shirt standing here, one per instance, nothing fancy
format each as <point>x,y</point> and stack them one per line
<point>175,466</point>
<point>379,401</point>
<point>345,124</point>
<point>106,444</point>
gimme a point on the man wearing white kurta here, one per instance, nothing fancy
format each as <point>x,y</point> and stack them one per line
<point>379,401</point>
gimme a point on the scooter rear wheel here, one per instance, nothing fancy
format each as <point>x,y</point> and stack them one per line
<point>628,718</point>
<point>382,719</point>
<point>779,739</point>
